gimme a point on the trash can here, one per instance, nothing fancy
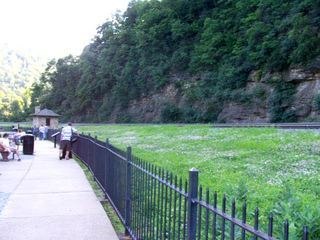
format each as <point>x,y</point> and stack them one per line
<point>29,131</point>
<point>28,144</point>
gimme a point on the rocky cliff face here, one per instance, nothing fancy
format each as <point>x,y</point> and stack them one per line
<point>148,109</point>
<point>307,87</point>
<point>260,90</point>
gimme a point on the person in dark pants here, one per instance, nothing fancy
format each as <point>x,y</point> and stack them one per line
<point>65,141</point>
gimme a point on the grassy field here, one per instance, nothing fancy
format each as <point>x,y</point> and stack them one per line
<point>275,170</point>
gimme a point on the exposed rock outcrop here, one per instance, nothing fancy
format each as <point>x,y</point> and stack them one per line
<point>236,113</point>
<point>148,109</point>
<point>307,85</point>
<point>259,88</point>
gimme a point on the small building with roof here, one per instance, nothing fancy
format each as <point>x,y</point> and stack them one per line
<point>45,117</point>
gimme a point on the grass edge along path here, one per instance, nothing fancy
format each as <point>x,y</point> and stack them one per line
<point>115,221</point>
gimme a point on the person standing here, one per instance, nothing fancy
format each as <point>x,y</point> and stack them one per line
<point>46,129</point>
<point>42,130</point>
<point>35,132</point>
<point>17,138</point>
<point>65,140</point>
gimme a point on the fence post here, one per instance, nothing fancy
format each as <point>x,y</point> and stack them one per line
<point>192,203</point>
<point>305,233</point>
<point>128,192</point>
<point>93,156</point>
<point>55,141</point>
<point>106,158</point>
<point>54,136</point>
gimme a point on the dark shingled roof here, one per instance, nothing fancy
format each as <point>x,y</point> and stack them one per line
<point>45,113</point>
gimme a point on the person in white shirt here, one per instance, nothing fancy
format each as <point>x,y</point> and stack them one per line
<point>65,140</point>
<point>6,143</point>
<point>42,130</point>
<point>46,129</point>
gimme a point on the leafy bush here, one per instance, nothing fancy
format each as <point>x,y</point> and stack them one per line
<point>123,117</point>
<point>171,113</point>
<point>316,102</point>
<point>259,92</point>
<point>290,207</point>
<point>190,115</point>
<point>213,108</point>
<point>241,96</point>
<point>280,102</point>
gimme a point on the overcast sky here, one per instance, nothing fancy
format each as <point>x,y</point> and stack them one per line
<point>54,28</point>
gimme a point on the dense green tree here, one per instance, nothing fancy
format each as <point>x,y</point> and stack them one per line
<point>218,43</point>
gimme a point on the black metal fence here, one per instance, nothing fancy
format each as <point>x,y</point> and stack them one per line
<point>154,204</point>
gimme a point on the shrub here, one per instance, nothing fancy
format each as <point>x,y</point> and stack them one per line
<point>212,111</point>
<point>316,102</point>
<point>171,113</point>
<point>290,207</point>
<point>280,102</point>
<point>259,92</point>
<point>123,117</point>
<point>190,115</point>
<point>241,96</point>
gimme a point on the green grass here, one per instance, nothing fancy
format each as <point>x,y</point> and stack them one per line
<point>269,167</point>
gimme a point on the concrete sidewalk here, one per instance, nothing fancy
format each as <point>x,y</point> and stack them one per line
<point>43,198</point>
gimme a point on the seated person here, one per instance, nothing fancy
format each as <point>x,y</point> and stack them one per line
<point>6,143</point>
<point>4,152</point>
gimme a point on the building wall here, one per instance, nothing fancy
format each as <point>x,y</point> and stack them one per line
<point>37,121</point>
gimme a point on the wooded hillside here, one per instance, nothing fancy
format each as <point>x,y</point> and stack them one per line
<point>18,71</point>
<point>185,60</point>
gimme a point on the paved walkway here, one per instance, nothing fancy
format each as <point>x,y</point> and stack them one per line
<point>44,198</point>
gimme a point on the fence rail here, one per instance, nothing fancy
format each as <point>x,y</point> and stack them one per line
<point>154,204</point>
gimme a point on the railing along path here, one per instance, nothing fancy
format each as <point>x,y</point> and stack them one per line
<point>154,204</point>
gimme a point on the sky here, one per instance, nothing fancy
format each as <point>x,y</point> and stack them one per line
<point>53,28</point>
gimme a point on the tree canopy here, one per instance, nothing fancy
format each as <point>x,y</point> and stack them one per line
<point>218,43</point>
<point>18,71</point>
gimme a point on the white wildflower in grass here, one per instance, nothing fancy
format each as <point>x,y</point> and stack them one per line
<point>315,148</point>
<point>191,137</point>
<point>264,158</point>
<point>275,181</point>
<point>304,168</point>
